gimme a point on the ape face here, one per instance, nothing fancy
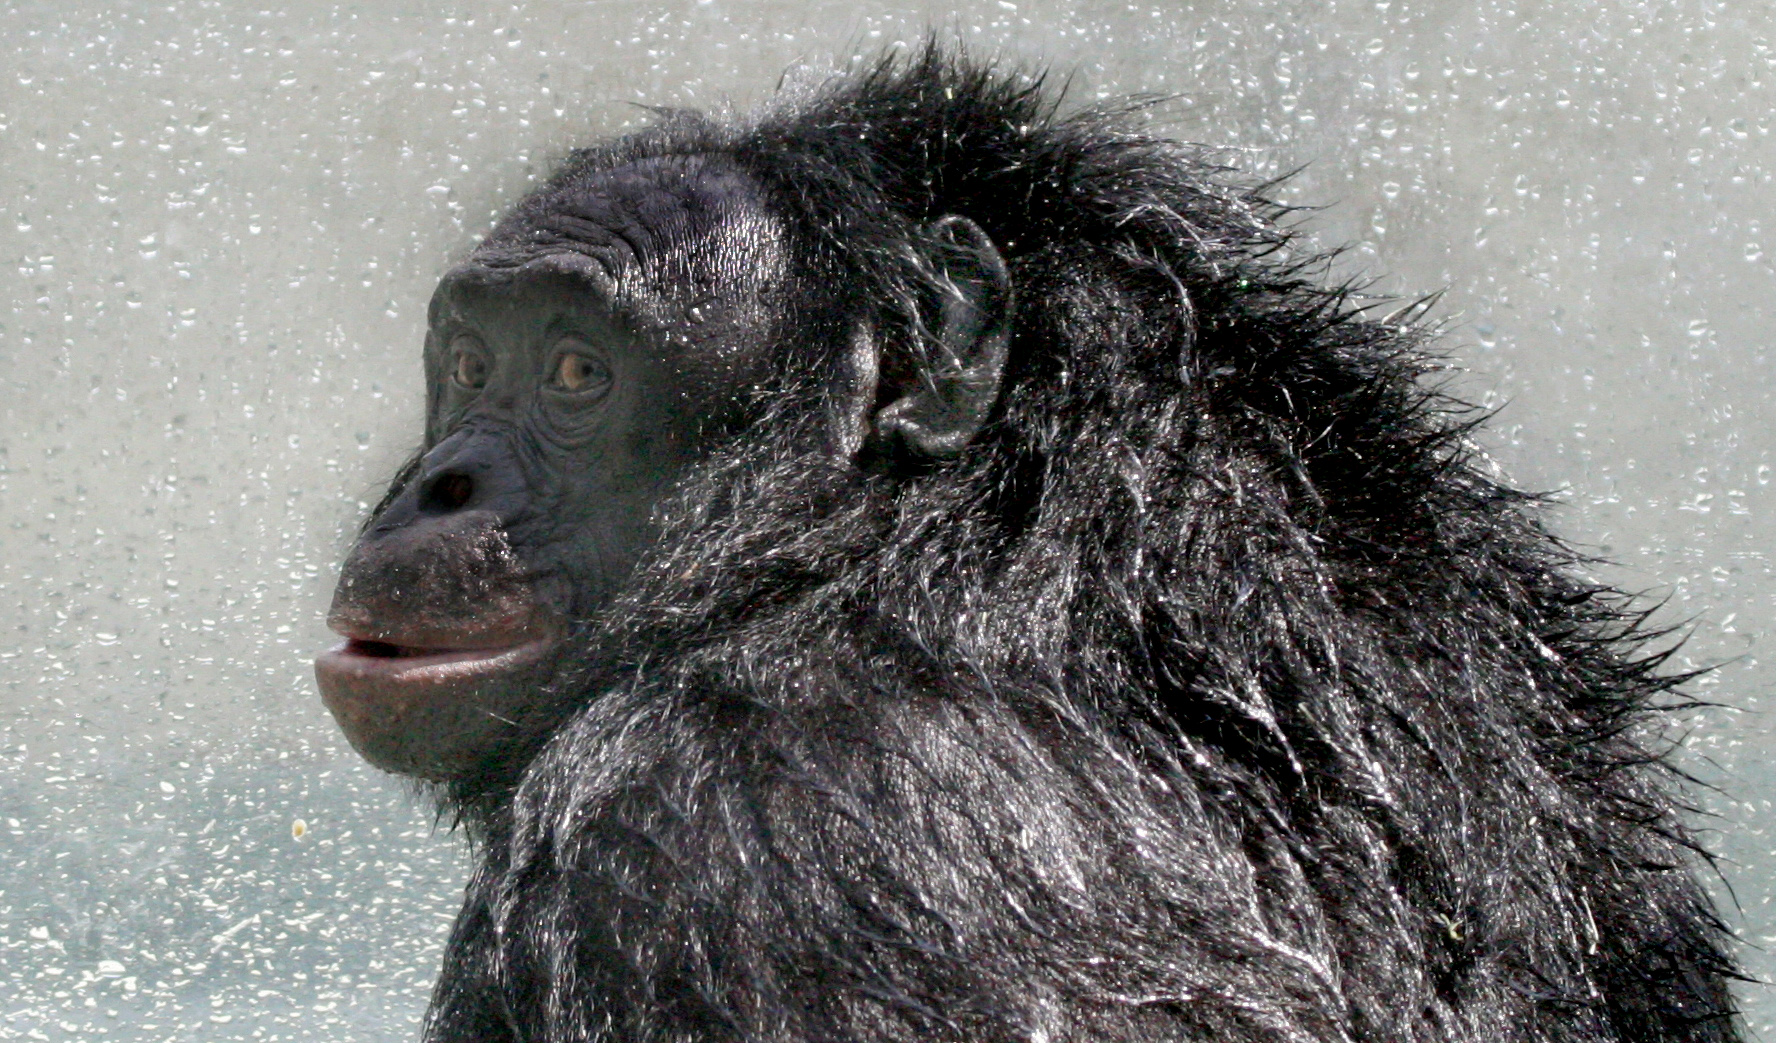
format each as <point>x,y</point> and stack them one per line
<point>566,395</point>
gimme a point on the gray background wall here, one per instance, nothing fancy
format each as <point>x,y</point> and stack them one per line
<point>220,222</point>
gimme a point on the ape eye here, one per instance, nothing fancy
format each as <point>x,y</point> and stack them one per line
<point>471,365</point>
<point>580,373</point>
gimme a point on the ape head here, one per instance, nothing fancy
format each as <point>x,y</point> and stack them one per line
<point>605,339</point>
<point>915,565</point>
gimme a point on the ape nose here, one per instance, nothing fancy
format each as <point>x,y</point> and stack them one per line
<point>471,471</point>
<point>446,492</point>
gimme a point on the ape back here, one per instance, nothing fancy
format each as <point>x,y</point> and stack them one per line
<point>917,565</point>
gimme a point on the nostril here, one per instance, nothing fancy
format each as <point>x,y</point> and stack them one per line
<point>447,492</point>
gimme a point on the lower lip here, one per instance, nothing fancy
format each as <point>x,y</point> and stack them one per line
<point>427,715</point>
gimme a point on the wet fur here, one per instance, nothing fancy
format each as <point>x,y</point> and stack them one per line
<point>1214,693</point>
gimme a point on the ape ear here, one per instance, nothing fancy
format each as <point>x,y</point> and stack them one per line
<point>956,387</point>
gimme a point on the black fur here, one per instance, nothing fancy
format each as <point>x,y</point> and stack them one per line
<point>1215,693</point>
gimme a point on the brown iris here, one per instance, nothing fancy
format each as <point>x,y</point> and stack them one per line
<point>580,373</point>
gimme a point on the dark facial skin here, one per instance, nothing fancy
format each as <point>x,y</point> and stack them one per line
<point>566,398</point>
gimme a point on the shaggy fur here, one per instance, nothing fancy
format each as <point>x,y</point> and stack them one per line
<point>1214,693</point>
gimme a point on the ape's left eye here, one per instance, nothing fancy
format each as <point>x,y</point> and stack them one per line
<point>580,374</point>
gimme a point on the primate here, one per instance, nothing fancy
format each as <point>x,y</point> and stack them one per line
<point>921,564</point>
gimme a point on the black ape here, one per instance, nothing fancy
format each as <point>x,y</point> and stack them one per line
<point>918,567</point>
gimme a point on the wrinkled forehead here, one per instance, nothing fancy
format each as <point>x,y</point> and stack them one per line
<point>652,238</point>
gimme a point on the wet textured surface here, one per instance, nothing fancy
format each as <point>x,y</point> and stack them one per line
<point>220,223</point>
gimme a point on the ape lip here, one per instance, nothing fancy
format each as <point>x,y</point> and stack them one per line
<point>365,655</point>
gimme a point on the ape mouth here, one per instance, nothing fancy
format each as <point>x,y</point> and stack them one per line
<point>425,704</point>
<point>429,660</point>
<point>400,652</point>
<point>432,655</point>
